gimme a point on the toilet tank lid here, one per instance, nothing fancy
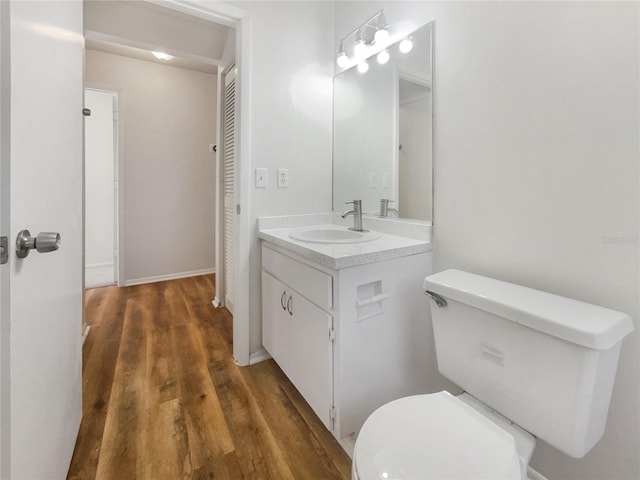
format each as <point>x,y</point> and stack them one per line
<point>578,322</point>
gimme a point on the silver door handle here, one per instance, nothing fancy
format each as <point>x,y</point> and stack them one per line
<point>44,242</point>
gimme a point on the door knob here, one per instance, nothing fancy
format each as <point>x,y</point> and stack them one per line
<point>43,242</point>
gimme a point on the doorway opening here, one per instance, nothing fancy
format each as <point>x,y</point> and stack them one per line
<point>103,29</point>
<point>101,188</point>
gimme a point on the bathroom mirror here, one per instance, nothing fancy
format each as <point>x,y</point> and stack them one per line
<point>382,132</point>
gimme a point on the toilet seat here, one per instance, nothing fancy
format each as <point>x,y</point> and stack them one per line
<point>433,436</point>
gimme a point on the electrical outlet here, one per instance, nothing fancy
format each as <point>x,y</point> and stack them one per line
<point>283,178</point>
<point>261,178</point>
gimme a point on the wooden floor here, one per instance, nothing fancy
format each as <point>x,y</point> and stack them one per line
<point>163,398</point>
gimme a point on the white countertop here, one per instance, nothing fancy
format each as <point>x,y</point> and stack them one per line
<point>343,255</point>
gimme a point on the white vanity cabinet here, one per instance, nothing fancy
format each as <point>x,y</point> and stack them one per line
<point>295,331</point>
<point>349,339</point>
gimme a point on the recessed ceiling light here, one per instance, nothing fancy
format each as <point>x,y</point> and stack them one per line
<point>162,56</point>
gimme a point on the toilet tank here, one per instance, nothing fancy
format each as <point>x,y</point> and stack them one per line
<point>545,362</point>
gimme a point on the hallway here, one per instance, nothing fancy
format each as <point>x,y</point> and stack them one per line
<point>163,399</point>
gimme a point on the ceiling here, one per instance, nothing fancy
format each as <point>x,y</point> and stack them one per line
<point>136,28</point>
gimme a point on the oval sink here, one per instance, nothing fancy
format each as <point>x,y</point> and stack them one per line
<point>333,235</point>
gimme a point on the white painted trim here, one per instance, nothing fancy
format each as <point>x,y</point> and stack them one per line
<point>219,196</point>
<point>216,11</point>
<point>99,275</point>
<point>259,356</point>
<point>119,174</point>
<point>238,18</point>
<point>241,317</point>
<point>5,137</point>
<point>169,276</point>
<point>118,199</point>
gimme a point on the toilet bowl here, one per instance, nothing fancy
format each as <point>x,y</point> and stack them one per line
<point>546,363</point>
<point>439,436</point>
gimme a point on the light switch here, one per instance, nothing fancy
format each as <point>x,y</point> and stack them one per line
<point>261,178</point>
<point>283,178</point>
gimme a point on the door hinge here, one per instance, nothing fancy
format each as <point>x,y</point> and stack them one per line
<point>332,335</point>
<point>238,209</point>
<point>4,250</point>
<point>332,416</point>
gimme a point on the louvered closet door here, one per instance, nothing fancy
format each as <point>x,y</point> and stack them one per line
<point>229,155</point>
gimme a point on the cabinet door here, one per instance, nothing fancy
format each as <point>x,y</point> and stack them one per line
<point>311,360</point>
<point>275,320</point>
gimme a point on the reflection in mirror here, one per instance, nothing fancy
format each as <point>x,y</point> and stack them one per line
<point>382,145</point>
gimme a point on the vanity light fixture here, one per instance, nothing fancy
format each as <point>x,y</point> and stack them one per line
<point>374,30</point>
<point>343,59</point>
<point>162,56</point>
<point>382,33</point>
<point>405,45</point>
<point>363,66</point>
<point>360,47</point>
<point>383,56</point>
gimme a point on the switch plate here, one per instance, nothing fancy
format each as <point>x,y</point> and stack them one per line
<point>261,178</point>
<point>373,179</point>
<point>283,178</point>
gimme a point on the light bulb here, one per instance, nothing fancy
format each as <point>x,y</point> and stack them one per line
<point>363,66</point>
<point>342,60</point>
<point>360,48</point>
<point>382,35</point>
<point>383,57</point>
<point>162,56</point>
<point>405,45</point>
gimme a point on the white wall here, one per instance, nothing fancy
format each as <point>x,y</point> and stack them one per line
<point>167,116</point>
<point>291,98</point>
<point>536,166</point>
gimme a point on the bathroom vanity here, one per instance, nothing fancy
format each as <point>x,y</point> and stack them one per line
<point>347,321</point>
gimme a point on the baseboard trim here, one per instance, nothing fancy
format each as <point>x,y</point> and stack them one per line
<point>259,356</point>
<point>170,276</point>
<point>99,275</point>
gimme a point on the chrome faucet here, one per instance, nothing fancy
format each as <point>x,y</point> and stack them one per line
<point>384,207</point>
<point>357,215</point>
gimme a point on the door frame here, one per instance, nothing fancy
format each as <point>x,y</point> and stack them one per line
<point>118,171</point>
<point>239,19</point>
<point>5,224</point>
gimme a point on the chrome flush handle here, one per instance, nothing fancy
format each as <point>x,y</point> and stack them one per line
<point>440,302</point>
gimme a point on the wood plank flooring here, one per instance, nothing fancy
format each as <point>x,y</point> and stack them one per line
<point>163,398</point>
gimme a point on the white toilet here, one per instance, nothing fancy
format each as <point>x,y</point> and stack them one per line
<point>544,362</point>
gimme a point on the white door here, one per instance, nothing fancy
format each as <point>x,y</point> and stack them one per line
<point>41,191</point>
<point>228,143</point>
<point>100,188</point>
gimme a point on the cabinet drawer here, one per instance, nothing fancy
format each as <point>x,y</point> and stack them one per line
<point>308,281</point>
